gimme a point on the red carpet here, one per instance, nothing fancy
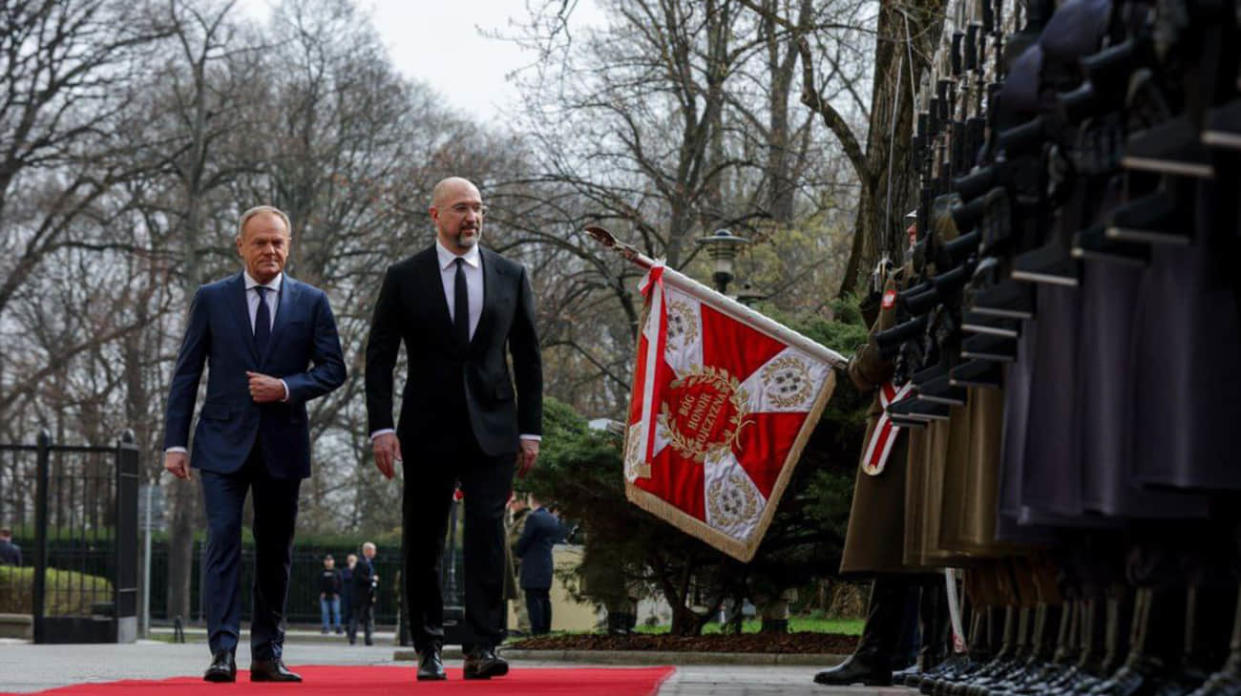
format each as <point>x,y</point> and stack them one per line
<point>395,681</point>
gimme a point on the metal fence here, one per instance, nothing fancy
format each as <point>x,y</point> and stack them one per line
<point>78,507</point>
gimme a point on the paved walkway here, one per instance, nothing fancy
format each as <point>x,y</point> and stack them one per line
<point>25,668</point>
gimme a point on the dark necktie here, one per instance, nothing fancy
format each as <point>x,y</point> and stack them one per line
<point>262,321</point>
<point>461,306</point>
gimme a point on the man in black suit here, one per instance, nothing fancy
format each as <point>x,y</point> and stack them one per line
<point>457,308</point>
<point>10,553</point>
<point>534,548</point>
<point>365,581</point>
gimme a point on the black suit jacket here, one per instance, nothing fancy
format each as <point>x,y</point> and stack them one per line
<point>534,548</point>
<point>412,308</point>
<point>363,592</point>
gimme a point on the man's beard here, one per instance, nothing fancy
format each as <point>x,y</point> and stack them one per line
<point>464,242</point>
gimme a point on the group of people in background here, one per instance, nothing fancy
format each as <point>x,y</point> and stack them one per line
<point>347,595</point>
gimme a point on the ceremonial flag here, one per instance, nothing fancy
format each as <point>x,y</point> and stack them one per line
<point>723,402</point>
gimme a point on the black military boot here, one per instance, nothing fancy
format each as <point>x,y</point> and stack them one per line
<point>1066,653</point>
<point>870,662</point>
<point>1227,680</point>
<point>936,632</point>
<point>1207,628</point>
<point>1081,632</point>
<point>1005,662</point>
<point>1156,641</point>
<point>1042,648</point>
<point>981,646</point>
<point>1003,652</point>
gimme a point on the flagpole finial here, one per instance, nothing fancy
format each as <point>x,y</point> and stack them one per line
<point>610,241</point>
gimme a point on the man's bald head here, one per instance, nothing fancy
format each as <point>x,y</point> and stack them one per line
<point>450,185</point>
<point>457,211</point>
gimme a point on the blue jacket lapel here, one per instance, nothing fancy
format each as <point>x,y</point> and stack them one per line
<point>288,287</point>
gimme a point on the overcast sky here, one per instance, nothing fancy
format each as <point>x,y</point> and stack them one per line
<point>439,42</point>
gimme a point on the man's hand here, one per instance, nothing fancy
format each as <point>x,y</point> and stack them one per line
<point>265,389</point>
<point>387,451</point>
<point>177,464</point>
<point>525,458</point>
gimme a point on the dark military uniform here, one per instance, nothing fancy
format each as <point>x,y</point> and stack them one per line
<point>876,538</point>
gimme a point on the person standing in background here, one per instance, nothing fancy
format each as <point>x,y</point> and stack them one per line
<point>346,589</point>
<point>514,522</point>
<point>365,581</point>
<point>329,595</point>
<point>534,548</point>
<point>10,553</point>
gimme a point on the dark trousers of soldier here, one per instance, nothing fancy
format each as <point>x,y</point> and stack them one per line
<point>878,652</point>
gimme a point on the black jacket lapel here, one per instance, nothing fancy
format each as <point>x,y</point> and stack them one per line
<point>433,292</point>
<point>491,285</point>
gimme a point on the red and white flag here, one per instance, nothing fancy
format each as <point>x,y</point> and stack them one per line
<point>723,402</point>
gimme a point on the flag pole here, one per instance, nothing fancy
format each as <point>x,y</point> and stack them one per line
<point>720,301</point>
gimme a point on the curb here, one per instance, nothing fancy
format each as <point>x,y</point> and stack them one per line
<point>448,652</point>
<point>651,657</point>
<point>293,636</point>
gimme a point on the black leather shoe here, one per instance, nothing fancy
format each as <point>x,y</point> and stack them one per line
<point>485,664</point>
<point>271,671</point>
<point>856,670</point>
<point>223,668</point>
<point>431,665</point>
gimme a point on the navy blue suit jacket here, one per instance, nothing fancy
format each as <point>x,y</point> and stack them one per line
<point>304,351</point>
<point>534,548</point>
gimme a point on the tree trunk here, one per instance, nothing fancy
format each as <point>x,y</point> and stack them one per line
<point>885,199</point>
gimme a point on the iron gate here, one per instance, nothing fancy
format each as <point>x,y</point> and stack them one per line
<point>75,508</point>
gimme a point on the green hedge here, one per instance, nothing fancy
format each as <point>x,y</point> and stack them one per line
<point>75,599</point>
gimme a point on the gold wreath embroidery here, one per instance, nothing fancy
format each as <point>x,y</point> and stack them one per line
<point>732,500</point>
<point>682,329</point>
<point>687,445</point>
<point>635,467</point>
<point>787,382</point>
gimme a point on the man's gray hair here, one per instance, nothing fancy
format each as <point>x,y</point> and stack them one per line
<point>368,545</point>
<point>245,217</point>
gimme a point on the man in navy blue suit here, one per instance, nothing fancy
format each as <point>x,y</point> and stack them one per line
<point>272,345</point>
<point>541,532</point>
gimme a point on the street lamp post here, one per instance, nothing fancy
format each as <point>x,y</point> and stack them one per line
<point>722,246</point>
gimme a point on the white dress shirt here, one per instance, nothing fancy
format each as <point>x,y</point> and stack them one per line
<point>473,269</point>
<point>272,298</point>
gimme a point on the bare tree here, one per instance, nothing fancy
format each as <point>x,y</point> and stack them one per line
<point>906,35</point>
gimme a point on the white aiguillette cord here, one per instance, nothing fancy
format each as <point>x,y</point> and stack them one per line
<point>954,611</point>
